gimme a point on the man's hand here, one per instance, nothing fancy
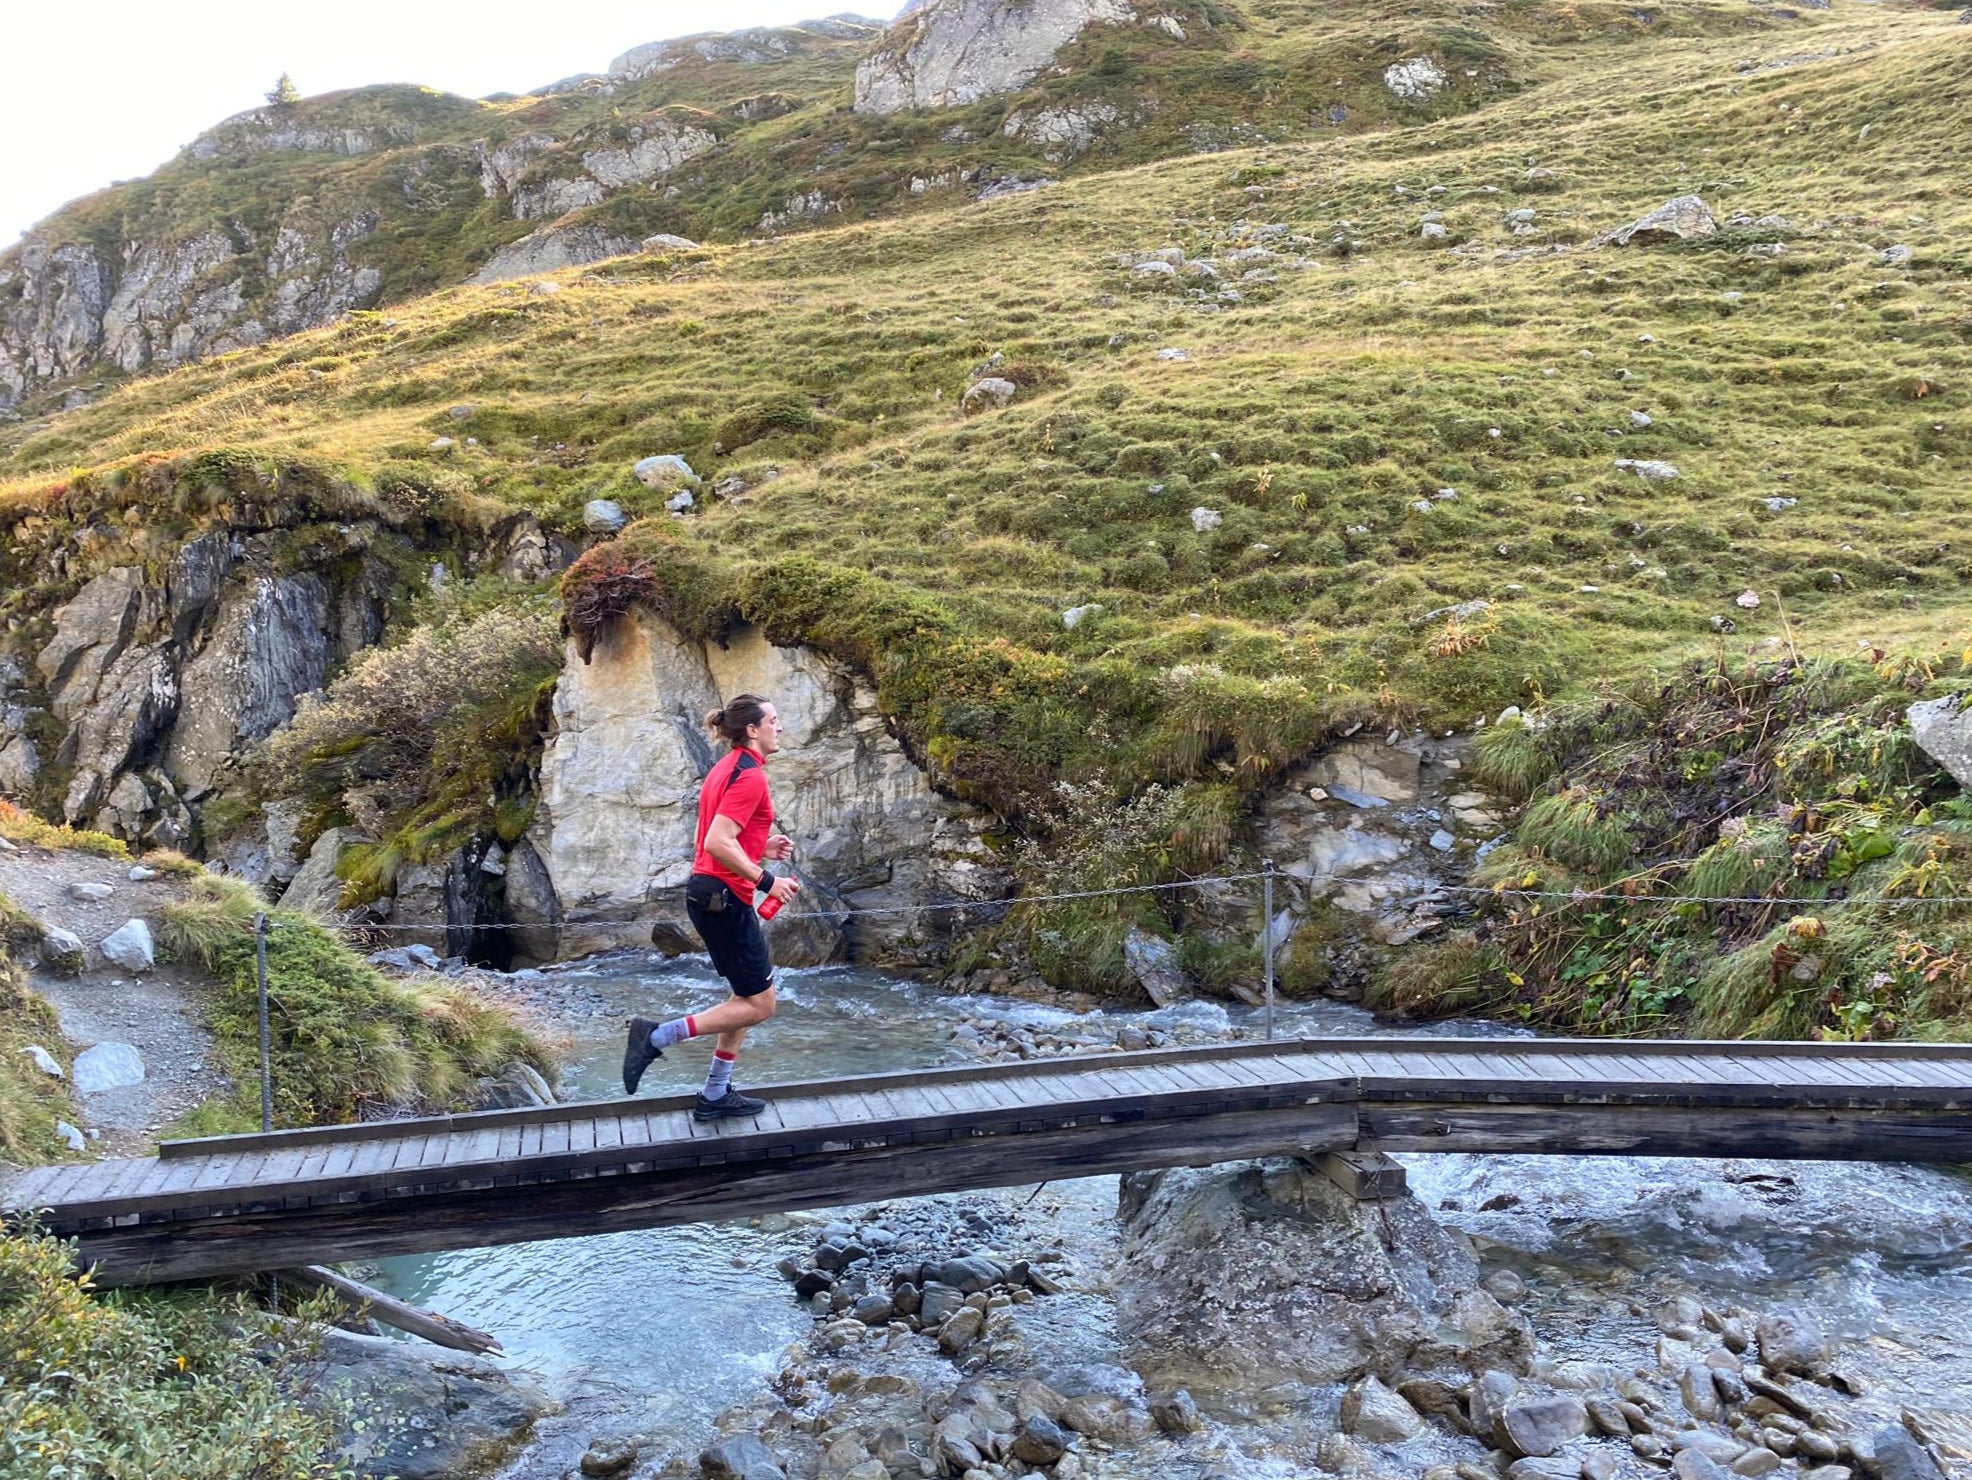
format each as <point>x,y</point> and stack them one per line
<point>779,846</point>
<point>786,886</point>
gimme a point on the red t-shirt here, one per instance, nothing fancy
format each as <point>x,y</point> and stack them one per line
<point>742,798</point>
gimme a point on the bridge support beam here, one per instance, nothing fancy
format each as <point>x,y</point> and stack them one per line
<point>1367,1176</point>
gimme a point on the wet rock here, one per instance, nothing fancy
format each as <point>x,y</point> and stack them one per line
<point>1755,1463</point>
<point>1040,1441</point>
<point>1608,1417</point>
<point>1701,1397</point>
<point>741,1457</point>
<point>1889,1453</point>
<point>1033,1396</point>
<point>130,946</point>
<point>1599,1464</point>
<point>1487,1402</point>
<point>1694,1464</point>
<point>106,1066</point>
<point>1270,1267</point>
<point>1829,1472</point>
<point>1105,1418</point>
<point>608,1457</point>
<point>815,1282</point>
<point>416,1416</point>
<point>1506,1287</point>
<point>1372,1412</point>
<point>960,1331</point>
<point>939,1302</point>
<point>1538,1468</point>
<point>873,1310</point>
<point>1537,1427</point>
<point>1790,1341</point>
<point>1177,1414</point>
<point>969,1276</point>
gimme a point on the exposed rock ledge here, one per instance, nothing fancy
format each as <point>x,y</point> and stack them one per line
<point>619,788</point>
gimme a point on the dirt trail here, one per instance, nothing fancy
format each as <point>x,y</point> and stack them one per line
<point>160,1013</point>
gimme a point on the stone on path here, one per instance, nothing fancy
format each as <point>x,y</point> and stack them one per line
<point>130,946</point>
<point>107,1066</point>
<point>63,945</point>
<point>89,892</point>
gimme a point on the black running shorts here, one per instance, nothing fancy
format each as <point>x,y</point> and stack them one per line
<point>731,932</point>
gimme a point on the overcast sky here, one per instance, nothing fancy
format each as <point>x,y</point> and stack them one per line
<point>111,90</point>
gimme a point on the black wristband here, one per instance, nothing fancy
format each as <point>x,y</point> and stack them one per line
<point>765,881</point>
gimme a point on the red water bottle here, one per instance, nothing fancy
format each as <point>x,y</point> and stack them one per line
<point>770,906</point>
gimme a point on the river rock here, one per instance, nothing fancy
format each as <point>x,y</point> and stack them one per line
<point>1040,1440</point>
<point>964,1327</point>
<point>1177,1414</point>
<point>1537,1427</point>
<point>970,1275</point>
<point>1267,1271</point>
<point>1756,1462</point>
<point>948,53</point>
<point>1033,1396</point>
<point>1889,1453</point>
<point>1700,1395</point>
<point>1371,1412</point>
<point>1695,1464</point>
<point>1152,962</point>
<point>1680,219</point>
<point>740,1457</point>
<point>1101,1417</point>
<point>1790,1341</point>
<point>130,946</point>
<point>938,1302</point>
<point>1538,1468</point>
<point>608,1457</point>
<point>1942,729</point>
<point>418,1415</point>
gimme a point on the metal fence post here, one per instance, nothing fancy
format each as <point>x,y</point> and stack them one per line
<point>1267,936</point>
<point>266,1042</point>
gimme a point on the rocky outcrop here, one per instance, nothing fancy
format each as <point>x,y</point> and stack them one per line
<point>953,52</point>
<point>1682,219</point>
<point>553,248</point>
<point>1374,829</point>
<point>66,306</point>
<point>1265,1272</point>
<point>418,1415</point>
<point>619,794</point>
<point>543,178</point>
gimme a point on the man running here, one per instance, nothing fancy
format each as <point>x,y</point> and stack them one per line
<point>735,832</point>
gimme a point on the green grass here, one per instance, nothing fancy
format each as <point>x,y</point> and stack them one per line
<point>814,381</point>
<point>1792,794</point>
<point>345,1038</point>
<point>30,1101</point>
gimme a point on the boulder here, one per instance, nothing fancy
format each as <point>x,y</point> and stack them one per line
<point>1418,80</point>
<point>603,516</point>
<point>1040,1440</point>
<point>43,1060</point>
<point>1791,1341</point>
<point>1373,1413</point>
<point>1267,1271</point>
<point>740,1457</point>
<point>1177,1414</point>
<point>987,394</point>
<point>90,892</point>
<point>555,247</point>
<point>517,1087</point>
<point>529,901</point>
<point>1537,1427</point>
<point>664,241</point>
<point>948,53</point>
<point>61,948</point>
<point>1681,219</point>
<point>938,1302</point>
<point>969,1276</point>
<point>315,889</point>
<point>414,1414</point>
<point>130,946</point>
<point>106,1066</point>
<point>1943,730</point>
<point>1890,1453</point>
<point>1152,962</point>
<point>665,470</point>
<point>406,958</point>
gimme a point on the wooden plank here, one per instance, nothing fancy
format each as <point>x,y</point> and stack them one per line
<point>1367,1176</point>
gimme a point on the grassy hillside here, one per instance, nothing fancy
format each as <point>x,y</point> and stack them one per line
<point>1809,385</point>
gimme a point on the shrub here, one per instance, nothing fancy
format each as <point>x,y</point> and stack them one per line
<point>785,412</point>
<point>346,1040</point>
<point>136,1387</point>
<point>440,734</point>
<point>20,826</point>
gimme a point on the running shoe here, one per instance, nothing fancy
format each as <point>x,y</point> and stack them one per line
<point>731,1103</point>
<point>638,1053</point>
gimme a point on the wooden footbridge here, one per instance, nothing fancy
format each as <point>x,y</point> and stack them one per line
<point>235,1204</point>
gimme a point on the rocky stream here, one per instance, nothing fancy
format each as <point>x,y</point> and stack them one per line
<point>1514,1318</point>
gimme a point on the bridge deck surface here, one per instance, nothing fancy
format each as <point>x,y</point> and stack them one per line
<point>408,1157</point>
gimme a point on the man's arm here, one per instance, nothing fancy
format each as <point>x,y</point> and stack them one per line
<point>722,842</point>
